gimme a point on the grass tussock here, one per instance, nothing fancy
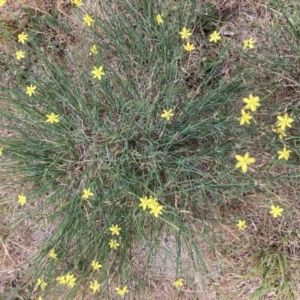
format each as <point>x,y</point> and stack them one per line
<point>135,136</point>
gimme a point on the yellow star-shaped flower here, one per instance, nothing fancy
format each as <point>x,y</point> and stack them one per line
<point>241,225</point>
<point>156,209</point>
<point>30,90</point>
<point>284,122</point>
<point>285,153</point>
<point>152,202</point>
<point>115,230</point>
<point>159,19</point>
<point>185,33</point>
<point>244,161</point>
<point>96,265</point>
<point>252,102</point>
<point>2,2</point>
<point>94,286</point>
<point>21,199</point>
<point>20,54</point>
<point>249,43</point>
<point>113,244</point>
<point>22,37</point>
<point>276,211</point>
<point>281,133</point>
<point>77,2</point>
<point>189,47</point>
<point>245,117</point>
<point>167,114</point>
<point>93,50</point>
<point>61,279</point>
<point>215,36</point>
<point>144,203</point>
<point>70,280</point>
<point>87,194</point>
<point>52,118</point>
<point>122,291</point>
<point>41,283</point>
<point>52,254</point>
<point>98,72</point>
<point>178,283</point>
<point>88,20</point>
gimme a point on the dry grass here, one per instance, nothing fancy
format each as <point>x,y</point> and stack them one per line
<point>233,255</point>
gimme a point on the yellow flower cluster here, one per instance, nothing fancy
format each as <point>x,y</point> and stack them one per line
<point>41,283</point>
<point>68,280</point>
<point>185,34</point>
<point>151,204</point>
<point>115,230</point>
<point>252,103</point>
<point>276,211</point>
<point>283,122</point>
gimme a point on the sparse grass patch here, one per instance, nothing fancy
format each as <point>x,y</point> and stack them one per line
<point>139,134</point>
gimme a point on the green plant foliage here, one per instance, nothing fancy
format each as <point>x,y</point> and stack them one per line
<point>109,141</point>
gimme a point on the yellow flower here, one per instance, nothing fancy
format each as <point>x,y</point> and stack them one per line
<point>98,72</point>
<point>52,254</point>
<point>284,153</point>
<point>52,118</point>
<point>30,90</point>
<point>77,2</point>
<point>20,54</point>
<point>95,265</point>
<point>159,19</point>
<point>113,244</point>
<point>61,279</point>
<point>178,283</point>
<point>284,122</point>
<point>93,50</point>
<point>122,291</point>
<point>22,37</point>
<point>215,36</point>
<point>21,199</point>
<point>41,283</point>
<point>156,209</point>
<point>189,47</point>
<point>276,211</point>
<point>39,298</point>
<point>87,194</point>
<point>185,33</point>
<point>245,117</point>
<point>2,2</point>
<point>244,161</point>
<point>152,202</point>
<point>70,280</point>
<point>1,149</point>
<point>94,286</point>
<point>281,133</point>
<point>115,230</point>
<point>167,114</point>
<point>252,102</point>
<point>241,225</point>
<point>249,43</point>
<point>144,203</point>
<point>88,20</point>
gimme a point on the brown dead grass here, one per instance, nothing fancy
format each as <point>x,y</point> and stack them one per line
<point>232,259</point>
